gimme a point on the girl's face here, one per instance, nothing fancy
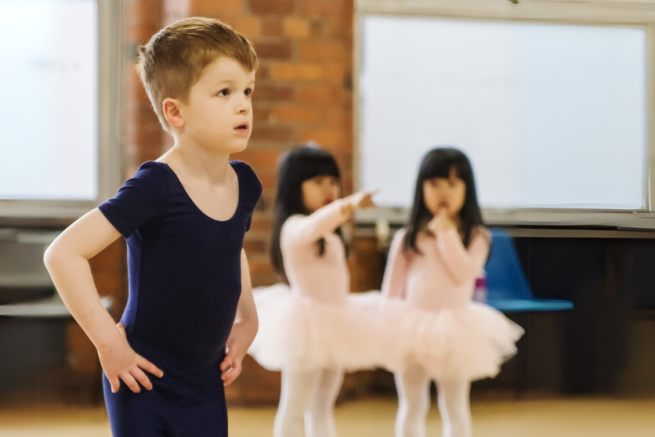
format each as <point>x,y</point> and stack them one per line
<point>448,194</point>
<point>320,191</point>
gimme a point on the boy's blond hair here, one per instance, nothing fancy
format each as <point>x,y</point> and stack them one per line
<point>172,61</point>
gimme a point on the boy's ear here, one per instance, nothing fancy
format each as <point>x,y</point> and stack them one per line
<point>171,109</point>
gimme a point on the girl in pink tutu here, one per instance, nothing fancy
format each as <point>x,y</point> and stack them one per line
<point>432,328</point>
<point>311,330</point>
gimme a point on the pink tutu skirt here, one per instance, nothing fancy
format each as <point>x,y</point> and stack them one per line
<point>467,343</point>
<point>297,333</point>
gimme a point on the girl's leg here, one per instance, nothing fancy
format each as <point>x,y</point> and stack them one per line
<point>320,416</point>
<point>413,387</point>
<point>454,407</point>
<point>298,391</point>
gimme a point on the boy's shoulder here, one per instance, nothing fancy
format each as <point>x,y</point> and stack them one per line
<point>248,175</point>
<point>150,169</point>
<point>244,168</point>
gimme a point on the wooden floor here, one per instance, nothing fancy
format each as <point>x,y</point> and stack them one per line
<point>575,417</point>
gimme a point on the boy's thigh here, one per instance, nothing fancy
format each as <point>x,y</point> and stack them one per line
<point>134,414</point>
<point>207,420</point>
<point>163,412</point>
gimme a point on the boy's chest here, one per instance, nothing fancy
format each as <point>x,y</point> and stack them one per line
<point>218,203</point>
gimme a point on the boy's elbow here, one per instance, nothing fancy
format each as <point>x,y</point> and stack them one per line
<point>49,257</point>
<point>53,257</point>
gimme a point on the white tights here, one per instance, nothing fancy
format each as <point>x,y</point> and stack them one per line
<point>414,402</point>
<point>309,396</point>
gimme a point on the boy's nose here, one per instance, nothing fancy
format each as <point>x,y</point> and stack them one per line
<point>244,106</point>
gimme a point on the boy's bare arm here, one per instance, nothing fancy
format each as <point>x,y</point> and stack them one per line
<point>244,328</point>
<point>67,261</point>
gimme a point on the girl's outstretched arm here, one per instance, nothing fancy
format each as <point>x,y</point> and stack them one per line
<point>395,275</point>
<point>67,261</point>
<point>309,229</point>
<point>461,263</point>
<point>244,328</point>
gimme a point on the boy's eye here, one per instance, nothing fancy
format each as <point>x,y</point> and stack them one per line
<point>224,92</point>
<point>248,92</point>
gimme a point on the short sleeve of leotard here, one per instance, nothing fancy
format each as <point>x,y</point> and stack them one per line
<point>252,190</point>
<point>139,200</point>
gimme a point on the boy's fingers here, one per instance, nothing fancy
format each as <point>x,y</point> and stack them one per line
<point>148,366</point>
<point>129,380</point>
<point>115,383</point>
<point>141,377</point>
<point>226,365</point>
<point>231,376</point>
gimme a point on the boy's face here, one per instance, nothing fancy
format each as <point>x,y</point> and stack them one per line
<point>218,113</point>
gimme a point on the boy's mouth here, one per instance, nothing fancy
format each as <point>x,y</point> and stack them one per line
<point>243,127</point>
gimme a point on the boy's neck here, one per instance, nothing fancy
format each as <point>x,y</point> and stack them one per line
<point>199,162</point>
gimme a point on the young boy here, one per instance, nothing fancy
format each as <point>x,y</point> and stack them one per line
<point>184,217</point>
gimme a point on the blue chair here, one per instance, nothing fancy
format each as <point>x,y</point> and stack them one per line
<point>507,287</point>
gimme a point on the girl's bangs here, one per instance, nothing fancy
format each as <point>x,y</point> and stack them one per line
<point>440,168</point>
<point>318,165</point>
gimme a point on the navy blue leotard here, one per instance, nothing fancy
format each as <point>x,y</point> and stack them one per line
<point>184,286</point>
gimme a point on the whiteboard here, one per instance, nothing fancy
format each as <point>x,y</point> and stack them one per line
<point>49,84</point>
<point>551,116</point>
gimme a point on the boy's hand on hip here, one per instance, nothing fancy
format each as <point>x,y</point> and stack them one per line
<point>231,367</point>
<point>119,361</point>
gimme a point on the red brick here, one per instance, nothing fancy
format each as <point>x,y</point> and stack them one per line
<point>272,92</point>
<point>252,246</point>
<point>326,52</point>
<point>258,268</point>
<point>317,28</point>
<point>273,50</point>
<point>338,118</point>
<point>272,26</point>
<point>261,225</point>
<point>259,158</point>
<point>297,114</point>
<point>140,10</point>
<point>278,7</point>
<point>141,136</point>
<point>320,95</point>
<point>339,28</point>
<point>150,128</point>
<point>296,28</point>
<point>284,71</point>
<point>320,9</point>
<point>217,9</point>
<point>273,133</point>
<point>141,33</point>
<point>325,137</point>
<point>261,115</point>
<point>269,180</point>
<point>263,72</point>
<point>250,27</point>
<point>335,74</point>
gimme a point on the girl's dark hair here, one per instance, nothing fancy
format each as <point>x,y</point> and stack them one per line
<point>438,163</point>
<point>295,167</point>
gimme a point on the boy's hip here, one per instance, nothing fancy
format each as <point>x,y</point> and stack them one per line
<point>185,381</point>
